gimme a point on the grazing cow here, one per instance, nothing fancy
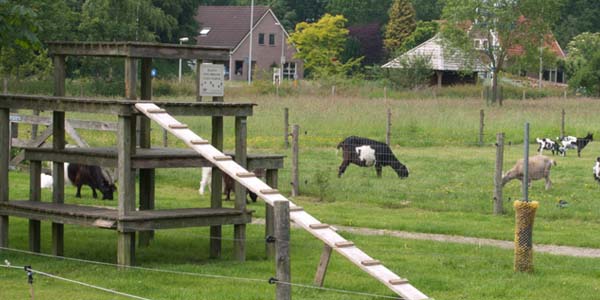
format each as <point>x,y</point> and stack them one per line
<point>228,182</point>
<point>548,144</point>
<point>596,170</point>
<point>94,177</point>
<point>539,167</point>
<point>365,152</point>
<point>571,142</point>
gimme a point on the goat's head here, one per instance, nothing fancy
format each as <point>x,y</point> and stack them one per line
<point>400,169</point>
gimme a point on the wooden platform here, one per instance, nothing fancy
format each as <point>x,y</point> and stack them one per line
<point>145,158</point>
<point>107,217</point>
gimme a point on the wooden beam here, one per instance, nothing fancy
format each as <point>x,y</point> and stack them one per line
<point>240,190</point>
<point>269,217</point>
<point>283,290</point>
<point>35,194</point>
<point>4,157</point>
<point>216,185</point>
<point>58,143</point>
<point>147,176</point>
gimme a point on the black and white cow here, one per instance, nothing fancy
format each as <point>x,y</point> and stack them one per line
<point>548,144</point>
<point>365,152</point>
<point>596,170</point>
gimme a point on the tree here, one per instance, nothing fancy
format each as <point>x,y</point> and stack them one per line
<point>360,11</point>
<point>400,25</point>
<point>320,45</point>
<point>18,28</point>
<point>505,24</point>
<point>423,32</point>
<point>577,16</point>
<point>428,10</point>
<point>583,63</point>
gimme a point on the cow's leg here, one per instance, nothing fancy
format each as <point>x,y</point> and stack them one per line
<point>78,194</point>
<point>378,168</point>
<point>343,167</point>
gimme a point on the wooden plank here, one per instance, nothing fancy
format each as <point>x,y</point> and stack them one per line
<point>296,208</point>
<point>344,244</point>
<point>269,191</point>
<point>323,264</point>
<point>319,226</point>
<point>370,262</point>
<point>245,174</point>
<point>398,281</point>
<point>37,142</point>
<point>199,142</point>
<point>75,136</point>
<point>178,126</point>
<point>157,111</point>
<point>222,158</point>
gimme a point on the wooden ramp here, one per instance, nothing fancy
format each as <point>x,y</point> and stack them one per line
<point>324,232</point>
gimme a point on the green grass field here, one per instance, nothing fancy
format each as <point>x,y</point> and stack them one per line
<point>449,191</point>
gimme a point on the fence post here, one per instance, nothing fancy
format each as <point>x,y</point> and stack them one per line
<point>295,181</point>
<point>524,96</point>
<point>283,290</point>
<point>481,124</point>
<point>388,129</point>
<point>385,93</point>
<point>562,123</point>
<point>498,208</point>
<point>286,127</point>
<point>333,91</point>
<point>525,181</point>
<point>565,95</point>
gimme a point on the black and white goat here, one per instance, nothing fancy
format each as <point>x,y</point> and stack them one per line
<point>571,142</point>
<point>548,144</point>
<point>365,152</point>
<point>596,170</point>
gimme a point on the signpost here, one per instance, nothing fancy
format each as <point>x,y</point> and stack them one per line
<point>212,80</point>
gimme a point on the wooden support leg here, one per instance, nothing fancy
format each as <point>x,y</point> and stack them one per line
<point>58,239</point>
<point>239,230</point>
<point>269,217</point>
<point>282,236</point>
<point>126,249</point>
<point>58,180</point>
<point>35,170</point>
<point>323,263</point>
<point>146,202</point>
<point>216,188</point>
<point>4,158</point>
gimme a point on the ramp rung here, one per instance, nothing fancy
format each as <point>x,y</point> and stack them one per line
<point>370,262</point>
<point>156,111</point>
<point>245,174</point>
<point>398,281</point>
<point>296,208</point>
<point>178,126</point>
<point>319,226</point>
<point>344,244</point>
<point>199,142</point>
<point>222,158</point>
<point>269,191</point>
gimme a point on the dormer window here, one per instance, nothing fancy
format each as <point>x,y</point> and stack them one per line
<point>204,31</point>
<point>480,44</point>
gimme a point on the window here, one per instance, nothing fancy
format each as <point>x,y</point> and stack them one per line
<point>261,38</point>
<point>204,31</point>
<point>271,39</point>
<point>239,67</point>
<point>485,44</point>
<point>477,44</point>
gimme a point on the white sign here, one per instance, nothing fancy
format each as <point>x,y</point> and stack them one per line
<point>211,80</point>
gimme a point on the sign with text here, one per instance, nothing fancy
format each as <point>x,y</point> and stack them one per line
<point>211,80</point>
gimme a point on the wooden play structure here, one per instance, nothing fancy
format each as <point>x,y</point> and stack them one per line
<point>126,157</point>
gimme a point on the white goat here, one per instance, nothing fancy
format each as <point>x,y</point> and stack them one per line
<point>46,181</point>
<point>596,169</point>
<point>539,167</point>
<point>206,179</point>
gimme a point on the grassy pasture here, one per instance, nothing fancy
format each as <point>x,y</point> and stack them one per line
<point>449,191</point>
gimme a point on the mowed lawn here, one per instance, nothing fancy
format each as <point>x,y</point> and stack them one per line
<point>449,191</point>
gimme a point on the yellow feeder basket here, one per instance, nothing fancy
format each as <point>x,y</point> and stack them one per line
<point>524,216</point>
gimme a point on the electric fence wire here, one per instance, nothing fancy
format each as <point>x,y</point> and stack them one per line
<point>75,282</point>
<point>267,281</point>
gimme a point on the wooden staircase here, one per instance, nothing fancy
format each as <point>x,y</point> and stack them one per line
<point>323,232</point>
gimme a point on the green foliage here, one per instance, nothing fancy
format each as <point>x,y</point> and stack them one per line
<point>583,63</point>
<point>360,11</point>
<point>428,10</point>
<point>576,17</point>
<point>18,39</point>
<point>322,182</point>
<point>423,32</point>
<point>414,73</point>
<point>401,24</point>
<point>320,45</point>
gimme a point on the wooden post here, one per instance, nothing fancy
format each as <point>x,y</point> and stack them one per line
<point>440,75</point>
<point>525,181</point>
<point>295,181</point>
<point>4,158</point>
<point>385,93</point>
<point>269,217</point>
<point>35,191</point>
<point>481,124</point>
<point>34,127</point>
<point>323,263</point>
<point>524,95</point>
<point>498,208</point>
<point>286,127</point>
<point>198,64</point>
<point>125,149</point>
<point>216,184</point>
<point>388,127</point>
<point>239,230</point>
<point>281,209</point>
<point>146,181</point>
<point>165,138</point>
<point>565,95</point>
<point>58,143</point>
<point>562,123</point>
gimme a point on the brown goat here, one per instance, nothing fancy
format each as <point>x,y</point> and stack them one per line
<point>539,167</point>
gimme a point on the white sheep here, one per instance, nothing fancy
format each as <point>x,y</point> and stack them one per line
<point>206,179</point>
<point>46,181</point>
<point>539,167</point>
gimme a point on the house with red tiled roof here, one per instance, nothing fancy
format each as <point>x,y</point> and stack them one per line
<point>265,45</point>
